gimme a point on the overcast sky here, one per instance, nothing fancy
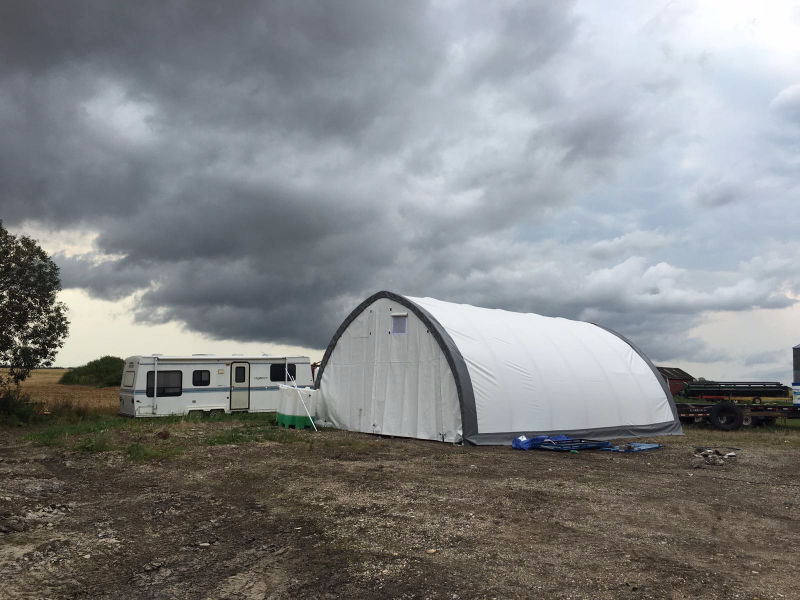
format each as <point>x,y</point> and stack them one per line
<point>238,176</point>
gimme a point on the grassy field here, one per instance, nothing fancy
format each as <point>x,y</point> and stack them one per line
<point>44,389</point>
<point>85,418</point>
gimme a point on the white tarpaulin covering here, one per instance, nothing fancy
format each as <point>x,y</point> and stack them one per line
<point>535,373</point>
<point>292,400</point>
<point>420,367</point>
<point>393,384</point>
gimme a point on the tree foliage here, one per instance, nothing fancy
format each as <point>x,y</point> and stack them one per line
<point>33,323</point>
<point>102,372</point>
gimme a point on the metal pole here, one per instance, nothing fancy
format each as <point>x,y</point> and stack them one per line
<point>155,382</point>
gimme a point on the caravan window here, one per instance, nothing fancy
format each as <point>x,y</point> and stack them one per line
<point>170,383</point>
<point>127,378</point>
<point>201,378</point>
<point>240,375</point>
<point>277,371</point>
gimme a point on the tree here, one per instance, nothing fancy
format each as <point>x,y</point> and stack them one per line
<point>33,323</point>
<point>105,371</point>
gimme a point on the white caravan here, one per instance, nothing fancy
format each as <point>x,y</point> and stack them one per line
<point>206,382</point>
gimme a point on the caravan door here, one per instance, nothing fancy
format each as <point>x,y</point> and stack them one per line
<point>240,386</point>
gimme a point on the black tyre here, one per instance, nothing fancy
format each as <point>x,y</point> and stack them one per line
<point>726,416</point>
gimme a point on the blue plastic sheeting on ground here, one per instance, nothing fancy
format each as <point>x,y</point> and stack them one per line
<point>559,443</point>
<point>526,443</point>
<point>633,447</point>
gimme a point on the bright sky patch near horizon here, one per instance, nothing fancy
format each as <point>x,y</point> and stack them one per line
<point>238,177</point>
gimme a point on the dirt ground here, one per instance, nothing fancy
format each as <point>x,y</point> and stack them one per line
<point>342,515</point>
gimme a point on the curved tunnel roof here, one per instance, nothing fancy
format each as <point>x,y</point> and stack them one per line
<point>523,373</point>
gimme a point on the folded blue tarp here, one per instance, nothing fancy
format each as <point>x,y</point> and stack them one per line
<point>559,443</point>
<point>633,447</point>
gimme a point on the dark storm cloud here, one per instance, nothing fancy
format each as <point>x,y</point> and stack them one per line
<point>54,170</point>
<point>288,74</point>
<point>107,280</point>
<point>228,220</point>
<point>253,170</point>
<point>216,148</point>
<point>519,40</point>
<point>255,135</point>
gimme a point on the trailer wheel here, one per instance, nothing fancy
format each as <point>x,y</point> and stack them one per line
<point>726,416</point>
<point>749,421</point>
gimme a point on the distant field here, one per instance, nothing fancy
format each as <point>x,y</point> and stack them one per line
<point>43,387</point>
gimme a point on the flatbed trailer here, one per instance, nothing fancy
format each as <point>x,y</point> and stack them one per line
<point>735,391</point>
<point>729,416</point>
<point>729,405</point>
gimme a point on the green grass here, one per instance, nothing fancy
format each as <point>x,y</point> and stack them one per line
<point>143,452</point>
<point>56,431</point>
<point>253,433</point>
<point>227,436</point>
<point>279,434</point>
<point>79,430</point>
<point>249,418</point>
<point>100,442</point>
<point>778,435</point>
<point>780,425</point>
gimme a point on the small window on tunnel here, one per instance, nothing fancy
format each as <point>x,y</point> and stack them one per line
<point>399,324</point>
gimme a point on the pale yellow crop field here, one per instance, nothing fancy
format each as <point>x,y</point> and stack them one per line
<point>44,389</point>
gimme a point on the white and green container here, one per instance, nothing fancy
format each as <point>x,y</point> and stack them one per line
<point>292,412</point>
